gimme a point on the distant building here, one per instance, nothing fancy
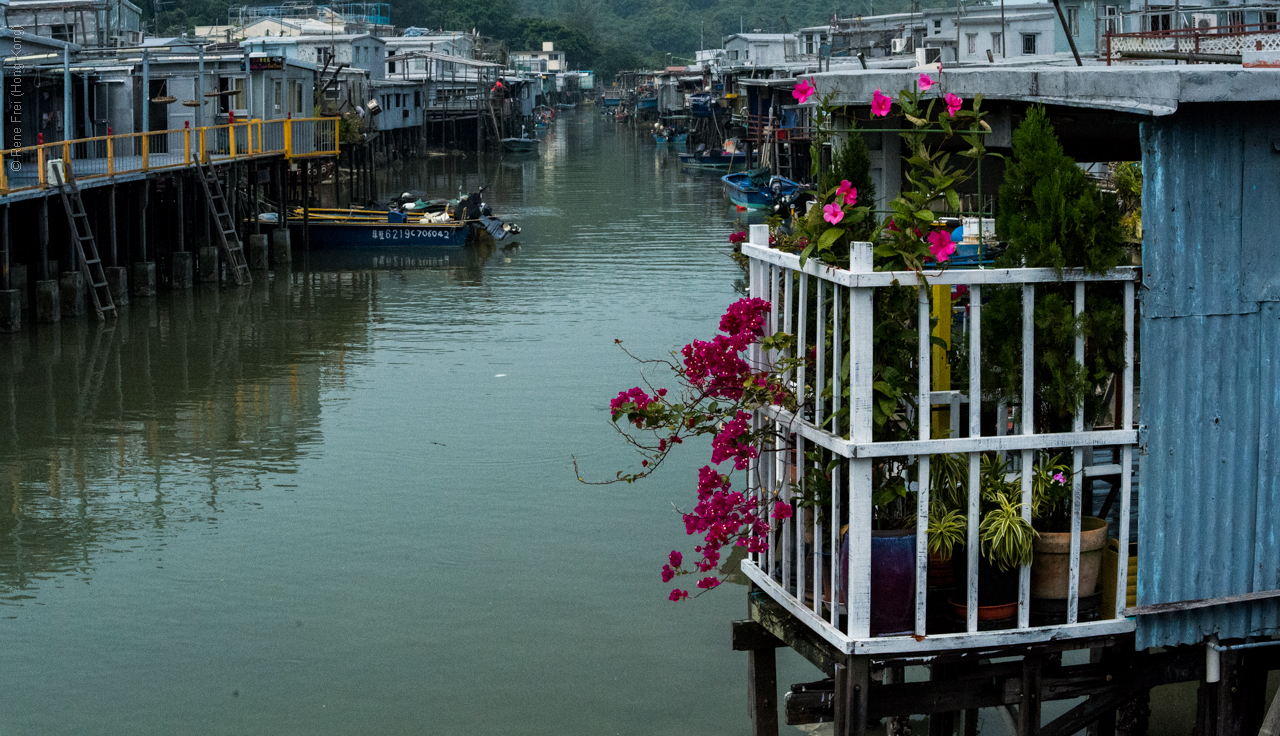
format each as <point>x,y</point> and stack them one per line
<point>89,23</point>
<point>546,60</point>
<point>759,49</point>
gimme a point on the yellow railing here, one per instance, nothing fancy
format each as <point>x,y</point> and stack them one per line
<point>127,153</point>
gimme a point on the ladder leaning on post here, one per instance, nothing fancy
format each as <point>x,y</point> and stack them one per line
<point>82,236</point>
<point>226,228</point>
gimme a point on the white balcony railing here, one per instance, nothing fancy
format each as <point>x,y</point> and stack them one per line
<point>797,570</point>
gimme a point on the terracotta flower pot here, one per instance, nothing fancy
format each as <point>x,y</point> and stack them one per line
<point>1050,568</point>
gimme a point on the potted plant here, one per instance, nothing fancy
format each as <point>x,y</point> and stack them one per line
<point>1051,505</point>
<point>1005,542</point>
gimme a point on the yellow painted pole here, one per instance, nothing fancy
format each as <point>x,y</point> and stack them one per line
<point>941,370</point>
<point>66,160</point>
<point>40,156</point>
<point>204,151</point>
<point>186,146</point>
<point>111,156</point>
<point>231,139</point>
<point>4,178</point>
<point>146,151</point>
<point>288,139</point>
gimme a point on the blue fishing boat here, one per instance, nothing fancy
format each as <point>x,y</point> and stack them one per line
<point>612,101</point>
<point>648,102</point>
<point>755,190</point>
<point>362,232</point>
<point>665,138</point>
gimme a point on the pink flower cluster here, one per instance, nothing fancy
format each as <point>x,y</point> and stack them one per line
<point>715,366</point>
<point>633,403</point>
<point>728,443</point>
<point>722,516</point>
<point>738,237</point>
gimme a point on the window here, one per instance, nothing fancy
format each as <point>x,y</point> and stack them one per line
<point>1159,21</point>
<point>277,98</point>
<point>391,67</point>
<point>398,101</point>
<point>63,32</point>
<point>937,27</point>
<point>417,98</point>
<point>1269,19</point>
<point>733,54</point>
<point>297,98</point>
<point>1235,19</point>
<point>1029,44</point>
<point>997,44</point>
<point>1073,20</point>
<point>1112,15</point>
<point>808,43</point>
<point>972,39</point>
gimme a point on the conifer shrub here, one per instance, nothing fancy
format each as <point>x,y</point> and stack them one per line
<point>1051,215</point>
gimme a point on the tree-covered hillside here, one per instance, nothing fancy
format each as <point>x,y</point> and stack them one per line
<point>594,34</point>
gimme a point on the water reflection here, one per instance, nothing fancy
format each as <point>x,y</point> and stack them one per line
<point>109,435</point>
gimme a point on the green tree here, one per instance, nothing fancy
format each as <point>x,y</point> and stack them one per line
<point>1051,215</point>
<point>852,162</point>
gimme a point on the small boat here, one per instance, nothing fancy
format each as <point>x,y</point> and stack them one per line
<point>566,105</point>
<point>612,101</point>
<point>524,144</point>
<point>755,190</point>
<point>440,223</point>
<point>714,159</point>
<point>665,138</point>
<point>358,228</point>
<point>648,102</point>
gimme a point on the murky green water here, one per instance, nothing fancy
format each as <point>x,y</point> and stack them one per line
<point>343,501</point>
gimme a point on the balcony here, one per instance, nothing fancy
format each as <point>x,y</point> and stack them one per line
<point>805,562</point>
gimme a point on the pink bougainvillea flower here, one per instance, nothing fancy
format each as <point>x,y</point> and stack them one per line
<point>708,583</point>
<point>675,558</point>
<point>940,245</point>
<point>803,91</point>
<point>953,104</point>
<point>832,213</point>
<point>667,573</point>
<point>678,595</point>
<point>738,237</point>
<point>926,82</point>
<point>880,104</point>
<point>782,510</point>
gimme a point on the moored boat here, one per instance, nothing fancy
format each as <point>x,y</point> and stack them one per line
<point>612,101</point>
<point>714,159</point>
<point>758,191</point>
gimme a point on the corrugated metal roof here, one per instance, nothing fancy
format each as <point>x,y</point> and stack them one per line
<point>1210,346</point>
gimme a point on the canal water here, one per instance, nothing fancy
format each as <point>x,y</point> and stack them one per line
<point>344,501</point>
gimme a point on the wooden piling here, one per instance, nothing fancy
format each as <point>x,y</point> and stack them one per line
<point>44,237</point>
<point>111,219</point>
<point>306,205</point>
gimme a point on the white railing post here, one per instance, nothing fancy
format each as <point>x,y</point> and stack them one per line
<point>1126,456</point>
<point>860,423</point>
<point>975,458</point>
<point>1028,427</point>
<point>925,421</point>
<point>1077,481</point>
<point>758,289</point>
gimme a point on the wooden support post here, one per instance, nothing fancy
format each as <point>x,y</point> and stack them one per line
<point>762,691</point>
<point>44,238</point>
<point>941,724</point>
<point>111,223</point>
<point>1240,694</point>
<point>852,681</point>
<point>181,230</point>
<point>306,204</point>
<point>1029,709</point>
<point>142,218</point>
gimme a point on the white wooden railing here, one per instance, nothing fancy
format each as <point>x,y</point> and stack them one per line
<point>799,575</point>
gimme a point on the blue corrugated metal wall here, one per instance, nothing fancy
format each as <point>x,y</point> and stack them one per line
<point>1210,338</point>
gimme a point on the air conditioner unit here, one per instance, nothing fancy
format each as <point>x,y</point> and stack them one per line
<point>1201,21</point>
<point>900,45</point>
<point>928,56</point>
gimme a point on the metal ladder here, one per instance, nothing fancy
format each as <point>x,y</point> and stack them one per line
<point>226,225</point>
<point>86,248</point>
